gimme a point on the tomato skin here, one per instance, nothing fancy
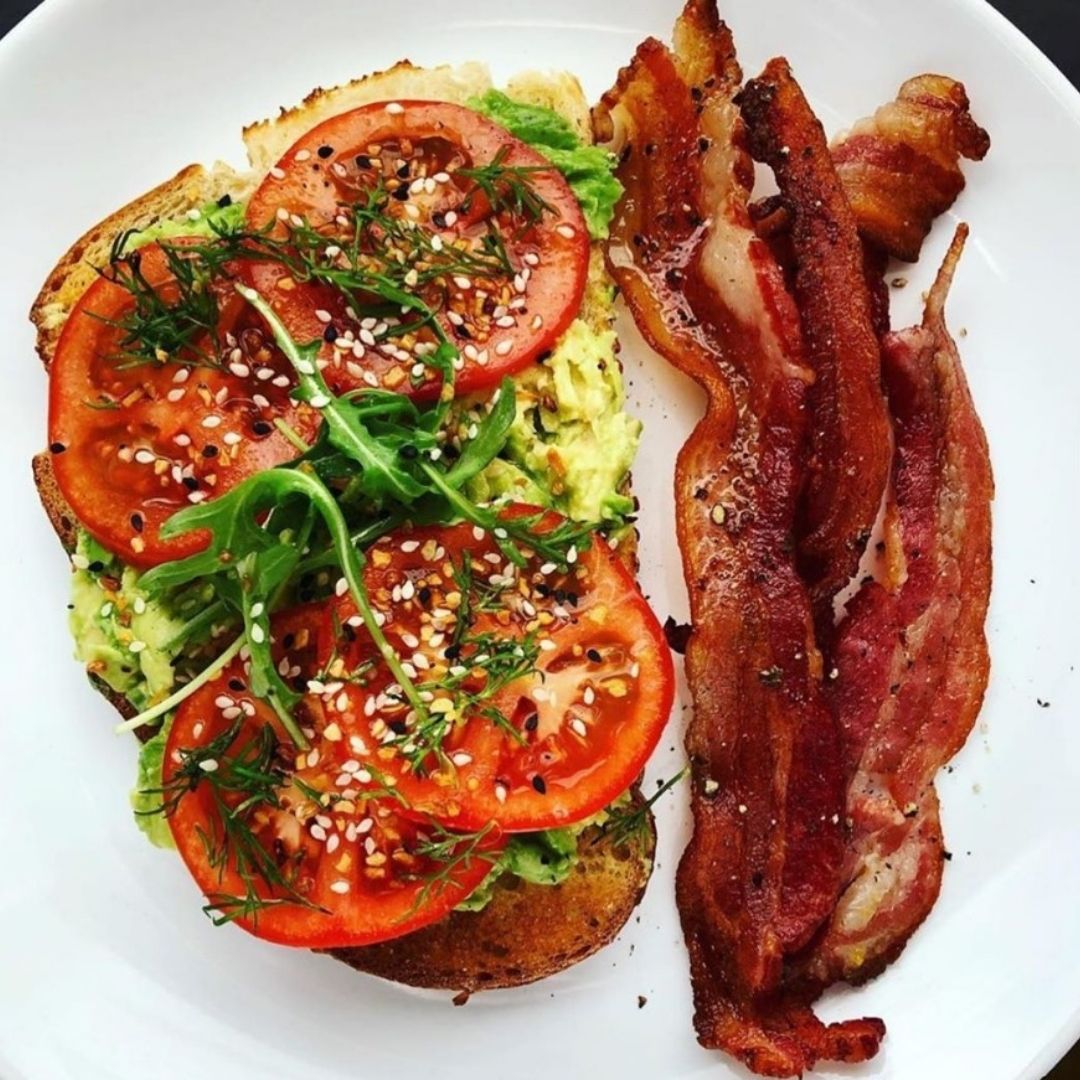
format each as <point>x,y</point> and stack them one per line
<point>126,468</point>
<point>371,910</point>
<point>320,173</point>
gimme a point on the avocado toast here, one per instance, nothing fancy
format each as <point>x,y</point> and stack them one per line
<point>501,881</point>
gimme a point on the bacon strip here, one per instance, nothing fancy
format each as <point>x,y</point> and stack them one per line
<point>849,437</point>
<point>762,869</point>
<point>912,663</point>
<point>901,167</point>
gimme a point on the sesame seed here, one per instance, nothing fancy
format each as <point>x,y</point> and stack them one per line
<point>589,696</point>
<point>503,348</point>
<point>340,887</point>
<point>332,843</point>
<point>137,646</point>
<point>281,380</point>
<point>548,568</point>
<point>565,230</point>
<point>208,765</point>
<point>175,395</point>
<point>211,421</point>
<point>302,155</point>
<point>461,758</point>
<point>537,322</point>
<point>231,438</point>
<point>451,217</point>
<point>145,457</point>
<point>318,832</point>
<point>577,725</point>
<point>282,214</point>
<point>312,758</point>
<point>394,108</point>
<point>260,401</point>
<point>462,282</point>
<point>277,173</point>
<point>500,793</point>
<point>196,496</point>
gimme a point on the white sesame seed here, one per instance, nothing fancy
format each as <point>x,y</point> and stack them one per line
<point>318,832</point>
<point>296,221</point>
<point>365,826</point>
<point>412,211</point>
<point>312,758</point>
<point>145,457</point>
<point>281,380</point>
<point>182,375</point>
<point>282,214</point>
<point>137,646</point>
<point>451,217</point>
<point>394,108</point>
<point>260,401</point>
<point>341,586</point>
<point>589,696</point>
<point>175,395</point>
<point>277,173</point>
<point>537,322</point>
<point>505,322</point>
<point>571,555</point>
<point>196,496</point>
<point>462,282</point>
<point>500,793</point>
<point>340,887</point>
<point>194,214</point>
<point>339,170</point>
<point>548,568</point>
<point>211,421</point>
<point>318,401</point>
<point>332,843</point>
<point>565,230</point>
<point>532,258</point>
<point>223,701</point>
<point>302,155</point>
<point>436,242</point>
<point>258,634</point>
<point>231,438</point>
<point>241,371</point>
<point>208,765</point>
<point>577,725</point>
<point>257,609</point>
<point>461,758</point>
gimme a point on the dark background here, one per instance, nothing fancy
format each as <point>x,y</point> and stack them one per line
<point>1054,25</point>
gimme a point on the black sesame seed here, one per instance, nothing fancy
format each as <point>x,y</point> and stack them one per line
<point>594,655</point>
<point>363,161</point>
<point>191,483</point>
<point>137,522</point>
<point>225,200</point>
<point>57,447</point>
<point>237,685</point>
<point>409,452</point>
<point>401,194</point>
<point>539,785</point>
<point>438,219</point>
<point>96,566</point>
<point>209,450</point>
<point>532,721</point>
<point>452,652</point>
<point>403,172</point>
<point>398,727</point>
<point>349,632</point>
<point>424,595</point>
<point>330,333</point>
<point>261,427</point>
<point>325,151</point>
<point>299,684</point>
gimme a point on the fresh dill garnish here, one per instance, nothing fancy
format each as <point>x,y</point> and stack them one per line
<point>242,775</point>
<point>508,188</point>
<point>451,852</point>
<point>165,325</point>
<point>625,826</point>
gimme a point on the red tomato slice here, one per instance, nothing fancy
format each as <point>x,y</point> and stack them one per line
<point>133,443</point>
<point>539,740</point>
<point>341,870</point>
<point>501,321</point>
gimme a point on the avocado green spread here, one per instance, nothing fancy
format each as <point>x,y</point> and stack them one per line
<point>571,446</point>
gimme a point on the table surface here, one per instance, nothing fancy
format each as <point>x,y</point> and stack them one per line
<point>1054,25</point>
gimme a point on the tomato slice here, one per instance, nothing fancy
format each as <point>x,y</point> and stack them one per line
<point>555,686</point>
<point>134,442</point>
<point>502,318</point>
<point>276,846</point>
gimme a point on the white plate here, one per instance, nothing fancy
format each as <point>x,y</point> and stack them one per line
<point>107,967</point>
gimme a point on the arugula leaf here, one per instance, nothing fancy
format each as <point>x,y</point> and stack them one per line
<point>489,439</point>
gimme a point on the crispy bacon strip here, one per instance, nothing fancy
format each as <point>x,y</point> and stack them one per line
<point>912,663</point>
<point>849,436</point>
<point>762,868</point>
<point>901,167</point>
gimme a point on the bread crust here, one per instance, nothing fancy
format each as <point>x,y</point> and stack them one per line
<point>528,931</point>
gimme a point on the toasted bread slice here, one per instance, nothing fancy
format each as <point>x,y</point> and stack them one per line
<point>527,932</point>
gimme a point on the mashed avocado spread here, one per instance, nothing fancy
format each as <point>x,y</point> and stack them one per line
<point>571,447</point>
